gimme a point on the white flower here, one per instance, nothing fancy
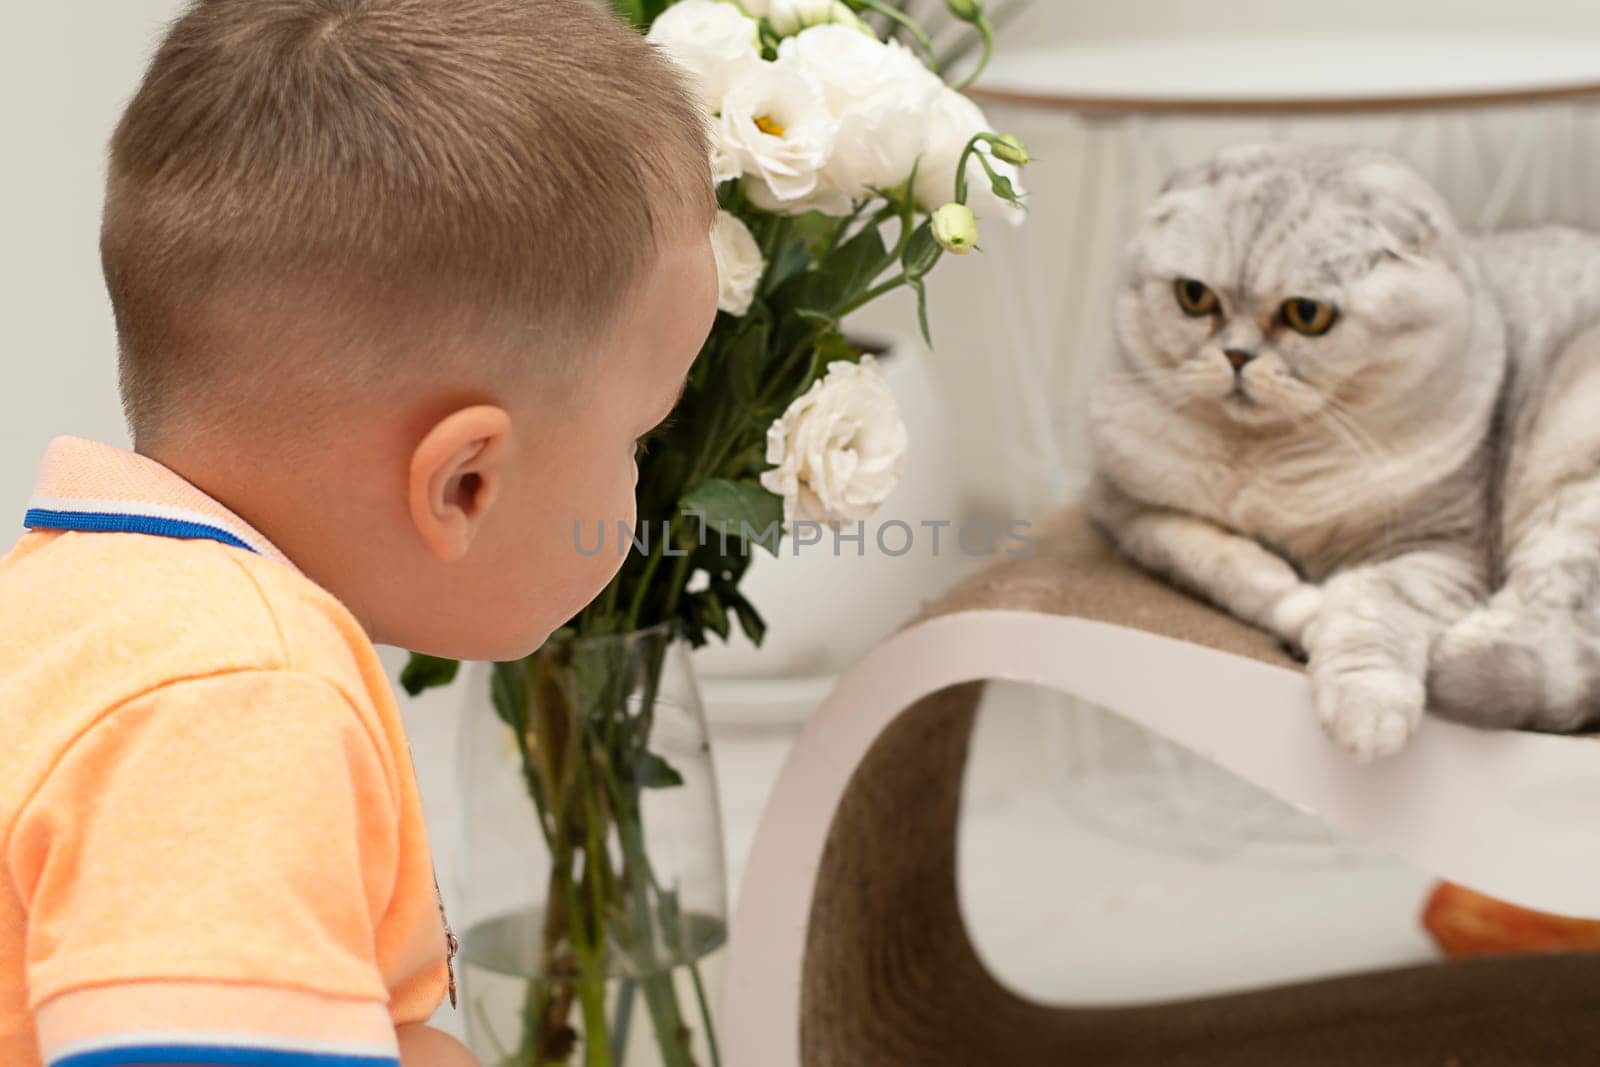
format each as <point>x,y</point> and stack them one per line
<point>879,93</point>
<point>792,16</point>
<point>951,121</point>
<point>711,40</point>
<point>776,127</point>
<point>724,164</point>
<point>739,263</point>
<point>824,197</point>
<point>839,449</point>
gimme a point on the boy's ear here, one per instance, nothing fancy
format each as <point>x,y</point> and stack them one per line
<point>456,476</point>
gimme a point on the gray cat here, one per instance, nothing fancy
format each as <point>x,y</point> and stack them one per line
<point>1337,416</point>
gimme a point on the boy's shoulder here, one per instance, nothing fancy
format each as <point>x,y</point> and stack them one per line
<point>106,616</point>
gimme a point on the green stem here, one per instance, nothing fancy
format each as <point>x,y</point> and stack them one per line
<point>675,584</point>
<point>488,1028</point>
<point>609,603</point>
<point>907,23</point>
<point>872,294</point>
<point>773,239</point>
<point>983,60</point>
<point>655,980</point>
<point>705,1014</point>
<point>844,226</point>
<point>620,1030</point>
<point>592,960</point>
<point>961,167</point>
<point>541,1021</point>
<point>591,986</point>
<point>683,956</point>
<point>650,565</point>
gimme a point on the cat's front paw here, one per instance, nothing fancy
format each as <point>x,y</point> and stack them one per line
<point>1293,615</point>
<point>1487,669</point>
<point>1371,712</point>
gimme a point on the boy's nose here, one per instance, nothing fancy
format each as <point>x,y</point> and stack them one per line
<point>1238,357</point>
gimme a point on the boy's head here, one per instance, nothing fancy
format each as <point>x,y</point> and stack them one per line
<point>402,281</point>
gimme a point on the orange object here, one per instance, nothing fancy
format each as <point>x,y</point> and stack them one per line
<point>212,833</point>
<point>1467,923</point>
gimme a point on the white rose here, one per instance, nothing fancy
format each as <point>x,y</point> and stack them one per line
<point>951,121</point>
<point>792,16</point>
<point>825,197</point>
<point>711,40</point>
<point>724,162</point>
<point>739,263</point>
<point>776,127</point>
<point>878,92</point>
<point>839,449</point>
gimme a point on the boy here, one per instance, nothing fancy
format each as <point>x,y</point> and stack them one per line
<point>398,284</point>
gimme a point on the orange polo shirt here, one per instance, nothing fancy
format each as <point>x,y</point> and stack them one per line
<point>211,840</point>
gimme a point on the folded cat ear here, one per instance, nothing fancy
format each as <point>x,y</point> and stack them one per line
<point>1239,160</point>
<point>1410,216</point>
<point>1414,250</point>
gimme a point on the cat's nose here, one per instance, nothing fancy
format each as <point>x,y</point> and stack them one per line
<point>1238,357</point>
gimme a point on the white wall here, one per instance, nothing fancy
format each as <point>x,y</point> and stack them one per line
<point>71,66</point>
<point>1050,20</point>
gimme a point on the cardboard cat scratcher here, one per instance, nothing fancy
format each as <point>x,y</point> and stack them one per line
<point>848,948</point>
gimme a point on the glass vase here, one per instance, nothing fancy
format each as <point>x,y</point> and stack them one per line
<point>594,901</point>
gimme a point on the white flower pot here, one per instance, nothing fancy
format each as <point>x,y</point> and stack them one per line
<point>823,610</point>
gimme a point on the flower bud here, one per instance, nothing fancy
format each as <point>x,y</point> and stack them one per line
<point>965,10</point>
<point>789,17</point>
<point>955,227</point>
<point>1011,150</point>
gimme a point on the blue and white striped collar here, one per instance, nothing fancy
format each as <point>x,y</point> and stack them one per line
<point>96,487</point>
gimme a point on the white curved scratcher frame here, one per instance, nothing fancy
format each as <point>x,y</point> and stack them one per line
<point>1515,815</point>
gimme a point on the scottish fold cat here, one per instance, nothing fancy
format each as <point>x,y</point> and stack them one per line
<point>1336,415</point>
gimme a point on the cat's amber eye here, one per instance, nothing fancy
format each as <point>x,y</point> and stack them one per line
<point>1310,317</point>
<point>1195,298</point>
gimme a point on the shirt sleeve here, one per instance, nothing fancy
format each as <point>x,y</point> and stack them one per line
<point>204,869</point>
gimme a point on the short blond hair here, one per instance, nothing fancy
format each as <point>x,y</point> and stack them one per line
<point>376,180</point>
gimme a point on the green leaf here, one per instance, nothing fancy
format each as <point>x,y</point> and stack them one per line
<point>631,10</point>
<point>848,271</point>
<point>641,13</point>
<point>712,615</point>
<point>750,620</point>
<point>922,308</point>
<point>790,260</point>
<point>856,263</point>
<point>426,672</point>
<point>745,362</point>
<point>921,253</point>
<point>656,773</point>
<point>831,347</point>
<point>769,41</point>
<point>734,508</point>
